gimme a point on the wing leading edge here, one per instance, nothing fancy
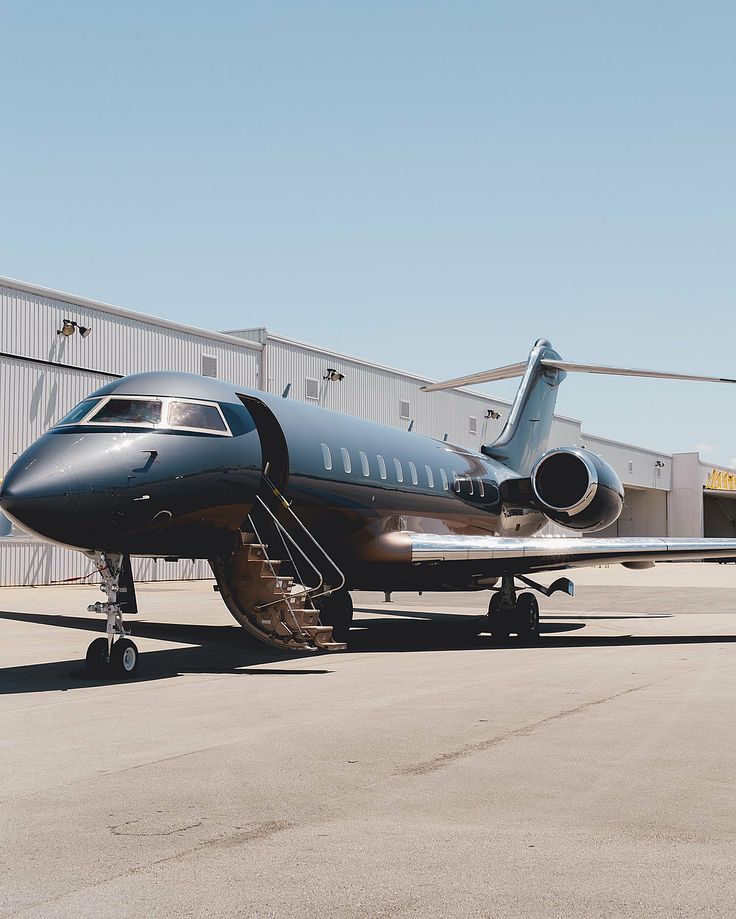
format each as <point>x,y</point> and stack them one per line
<point>543,553</point>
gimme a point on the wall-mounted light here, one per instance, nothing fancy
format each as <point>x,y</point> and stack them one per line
<point>334,376</point>
<point>69,326</point>
<point>659,464</point>
<point>491,414</point>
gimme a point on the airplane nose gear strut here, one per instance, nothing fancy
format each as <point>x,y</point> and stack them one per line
<point>115,654</point>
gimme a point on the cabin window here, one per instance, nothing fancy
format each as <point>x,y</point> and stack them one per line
<point>413,473</point>
<point>381,466</point>
<point>473,424</point>
<point>404,409</point>
<point>430,476</point>
<point>326,456</point>
<point>399,471</point>
<point>78,412</point>
<point>456,482</point>
<point>196,416</point>
<point>364,464</point>
<point>481,489</point>
<point>445,483</point>
<point>311,389</point>
<point>347,466</point>
<point>128,411</point>
<point>470,485</point>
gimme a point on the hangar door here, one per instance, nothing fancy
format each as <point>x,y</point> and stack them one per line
<point>719,514</point>
<point>644,514</point>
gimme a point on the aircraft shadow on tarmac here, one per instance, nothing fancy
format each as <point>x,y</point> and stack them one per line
<point>227,649</point>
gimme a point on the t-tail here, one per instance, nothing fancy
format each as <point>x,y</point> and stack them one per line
<point>526,433</point>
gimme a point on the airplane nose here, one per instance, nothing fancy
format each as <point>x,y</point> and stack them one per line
<point>39,494</point>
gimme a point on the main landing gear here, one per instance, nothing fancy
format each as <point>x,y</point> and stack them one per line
<point>115,655</point>
<point>336,609</point>
<point>511,612</point>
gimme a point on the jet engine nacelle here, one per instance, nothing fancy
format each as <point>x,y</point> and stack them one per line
<point>577,489</point>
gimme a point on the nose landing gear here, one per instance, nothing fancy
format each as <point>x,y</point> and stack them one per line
<point>115,655</point>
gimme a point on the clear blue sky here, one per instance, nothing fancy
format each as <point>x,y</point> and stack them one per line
<point>430,185</point>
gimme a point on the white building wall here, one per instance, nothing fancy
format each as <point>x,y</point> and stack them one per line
<point>121,342</point>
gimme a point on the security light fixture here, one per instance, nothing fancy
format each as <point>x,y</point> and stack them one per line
<point>68,327</point>
<point>334,376</point>
<point>659,464</point>
<point>491,414</point>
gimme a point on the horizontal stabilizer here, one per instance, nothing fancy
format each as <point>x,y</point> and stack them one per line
<point>630,372</point>
<point>517,370</point>
<point>485,376</point>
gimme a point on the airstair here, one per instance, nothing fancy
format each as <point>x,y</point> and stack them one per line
<point>279,609</point>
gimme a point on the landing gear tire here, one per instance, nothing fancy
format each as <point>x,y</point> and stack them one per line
<point>500,618</point>
<point>336,610</point>
<point>96,659</point>
<point>124,658</point>
<point>526,617</point>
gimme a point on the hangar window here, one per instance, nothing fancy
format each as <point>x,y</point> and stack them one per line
<point>413,473</point>
<point>197,416</point>
<point>430,476</point>
<point>209,365</point>
<point>399,471</point>
<point>79,412</point>
<point>445,483</point>
<point>473,424</point>
<point>326,456</point>
<point>311,389</point>
<point>381,466</point>
<point>346,464</point>
<point>130,410</point>
<point>364,464</point>
<point>404,409</point>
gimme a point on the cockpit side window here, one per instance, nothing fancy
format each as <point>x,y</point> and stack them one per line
<point>196,415</point>
<point>79,412</point>
<point>119,410</point>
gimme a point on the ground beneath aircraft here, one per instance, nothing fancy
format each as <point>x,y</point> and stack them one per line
<point>423,773</point>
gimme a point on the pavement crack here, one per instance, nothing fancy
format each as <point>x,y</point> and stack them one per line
<point>446,759</point>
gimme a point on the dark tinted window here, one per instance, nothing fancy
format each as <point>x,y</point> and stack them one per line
<point>193,415</point>
<point>77,413</point>
<point>129,411</point>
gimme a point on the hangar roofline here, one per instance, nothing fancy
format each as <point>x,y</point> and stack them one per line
<point>88,302</point>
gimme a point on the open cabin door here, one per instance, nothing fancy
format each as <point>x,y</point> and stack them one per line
<point>274,451</point>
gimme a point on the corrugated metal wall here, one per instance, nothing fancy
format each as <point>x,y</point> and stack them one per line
<point>118,344</point>
<point>25,561</point>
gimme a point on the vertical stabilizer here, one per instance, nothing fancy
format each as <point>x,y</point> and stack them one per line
<point>526,433</point>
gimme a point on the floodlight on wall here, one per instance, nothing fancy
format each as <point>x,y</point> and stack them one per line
<point>659,464</point>
<point>334,376</point>
<point>491,414</point>
<point>69,326</point>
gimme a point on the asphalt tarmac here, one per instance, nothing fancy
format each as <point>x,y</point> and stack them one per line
<point>425,772</point>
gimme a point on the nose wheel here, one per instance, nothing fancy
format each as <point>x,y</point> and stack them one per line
<point>121,661</point>
<point>115,655</point>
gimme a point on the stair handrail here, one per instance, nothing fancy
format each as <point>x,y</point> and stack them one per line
<point>287,506</point>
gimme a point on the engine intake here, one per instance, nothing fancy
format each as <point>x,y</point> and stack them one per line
<point>577,489</point>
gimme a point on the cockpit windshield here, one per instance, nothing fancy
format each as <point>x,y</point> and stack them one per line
<point>128,411</point>
<point>79,412</point>
<point>142,411</point>
<point>196,415</point>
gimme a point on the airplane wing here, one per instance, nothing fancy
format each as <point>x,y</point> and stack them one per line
<point>543,553</point>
